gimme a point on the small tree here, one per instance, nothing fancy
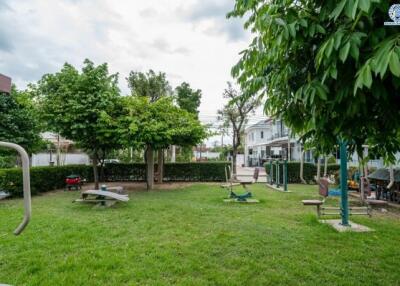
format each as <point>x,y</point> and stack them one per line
<point>155,126</point>
<point>235,114</point>
<point>84,107</point>
<point>188,98</point>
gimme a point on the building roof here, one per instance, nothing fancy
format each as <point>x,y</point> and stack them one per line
<point>259,124</point>
<point>5,83</point>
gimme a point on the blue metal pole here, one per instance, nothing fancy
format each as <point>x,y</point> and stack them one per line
<point>285,174</point>
<point>343,184</point>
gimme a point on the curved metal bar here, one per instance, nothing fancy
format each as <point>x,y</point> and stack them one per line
<point>26,184</point>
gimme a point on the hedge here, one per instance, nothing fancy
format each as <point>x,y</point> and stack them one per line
<point>173,172</point>
<point>309,171</point>
<point>44,179</point>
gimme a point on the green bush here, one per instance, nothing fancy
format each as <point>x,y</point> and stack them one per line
<point>44,179</point>
<point>115,172</point>
<point>309,171</point>
<point>195,172</point>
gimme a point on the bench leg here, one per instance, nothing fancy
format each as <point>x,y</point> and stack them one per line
<point>318,211</point>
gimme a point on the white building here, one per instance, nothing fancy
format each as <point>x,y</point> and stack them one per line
<point>60,151</point>
<point>270,139</point>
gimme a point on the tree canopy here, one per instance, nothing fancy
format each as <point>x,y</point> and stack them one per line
<point>152,85</point>
<point>83,106</point>
<point>188,98</point>
<point>329,69</point>
<point>160,124</point>
<point>19,120</point>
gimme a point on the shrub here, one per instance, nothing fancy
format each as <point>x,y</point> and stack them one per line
<point>309,171</point>
<point>44,179</point>
<point>197,172</point>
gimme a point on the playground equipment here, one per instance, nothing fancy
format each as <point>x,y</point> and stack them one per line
<point>26,184</point>
<point>325,210</point>
<point>246,197</point>
<point>344,211</point>
<point>331,191</point>
<point>105,197</point>
<point>276,179</point>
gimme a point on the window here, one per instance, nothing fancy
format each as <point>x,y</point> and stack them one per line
<point>262,134</point>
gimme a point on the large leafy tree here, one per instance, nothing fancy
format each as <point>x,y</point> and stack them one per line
<point>84,107</point>
<point>188,98</point>
<point>330,69</point>
<point>19,120</point>
<point>156,125</point>
<point>153,86</point>
<point>235,115</point>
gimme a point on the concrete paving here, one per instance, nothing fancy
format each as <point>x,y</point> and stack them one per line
<point>246,173</point>
<point>354,227</point>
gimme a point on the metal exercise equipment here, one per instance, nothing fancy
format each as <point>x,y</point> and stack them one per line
<point>26,184</point>
<point>276,176</point>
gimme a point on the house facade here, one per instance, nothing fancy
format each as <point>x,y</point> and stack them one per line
<point>271,139</point>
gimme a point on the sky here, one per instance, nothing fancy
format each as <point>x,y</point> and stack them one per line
<point>189,40</point>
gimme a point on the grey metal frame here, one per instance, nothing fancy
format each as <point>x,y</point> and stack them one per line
<point>26,184</point>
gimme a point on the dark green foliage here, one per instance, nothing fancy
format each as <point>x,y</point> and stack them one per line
<point>19,122</point>
<point>125,172</point>
<point>43,179</point>
<point>195,172</point>
<point>188,98</point>
<point>152,85</point>
<point>330,69</point>
<point>310,170</point>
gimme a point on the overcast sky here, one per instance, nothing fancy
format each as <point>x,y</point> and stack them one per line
<point>189,40</point>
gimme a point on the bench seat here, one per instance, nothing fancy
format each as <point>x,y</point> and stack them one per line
<point>312,202</point>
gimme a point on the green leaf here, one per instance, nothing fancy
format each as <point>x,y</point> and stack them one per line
<point>280,21</point>
<point>364,5</point>
<point>292,29</point>
<point>344,52</point>
<point>351,8</point>
<point>338,10</point>
<point>394,64</point>
<point>354,52</point>
<point>367,76</point>
<point>329,48</point>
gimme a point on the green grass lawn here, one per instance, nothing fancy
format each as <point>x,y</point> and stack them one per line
<point>188,236</point>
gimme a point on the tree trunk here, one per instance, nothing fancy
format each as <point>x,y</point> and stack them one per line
<point>95,171</point>
<point>234,153</point>
<point>160,165</point>
<point>150,167</point>
<point>173,155</point>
